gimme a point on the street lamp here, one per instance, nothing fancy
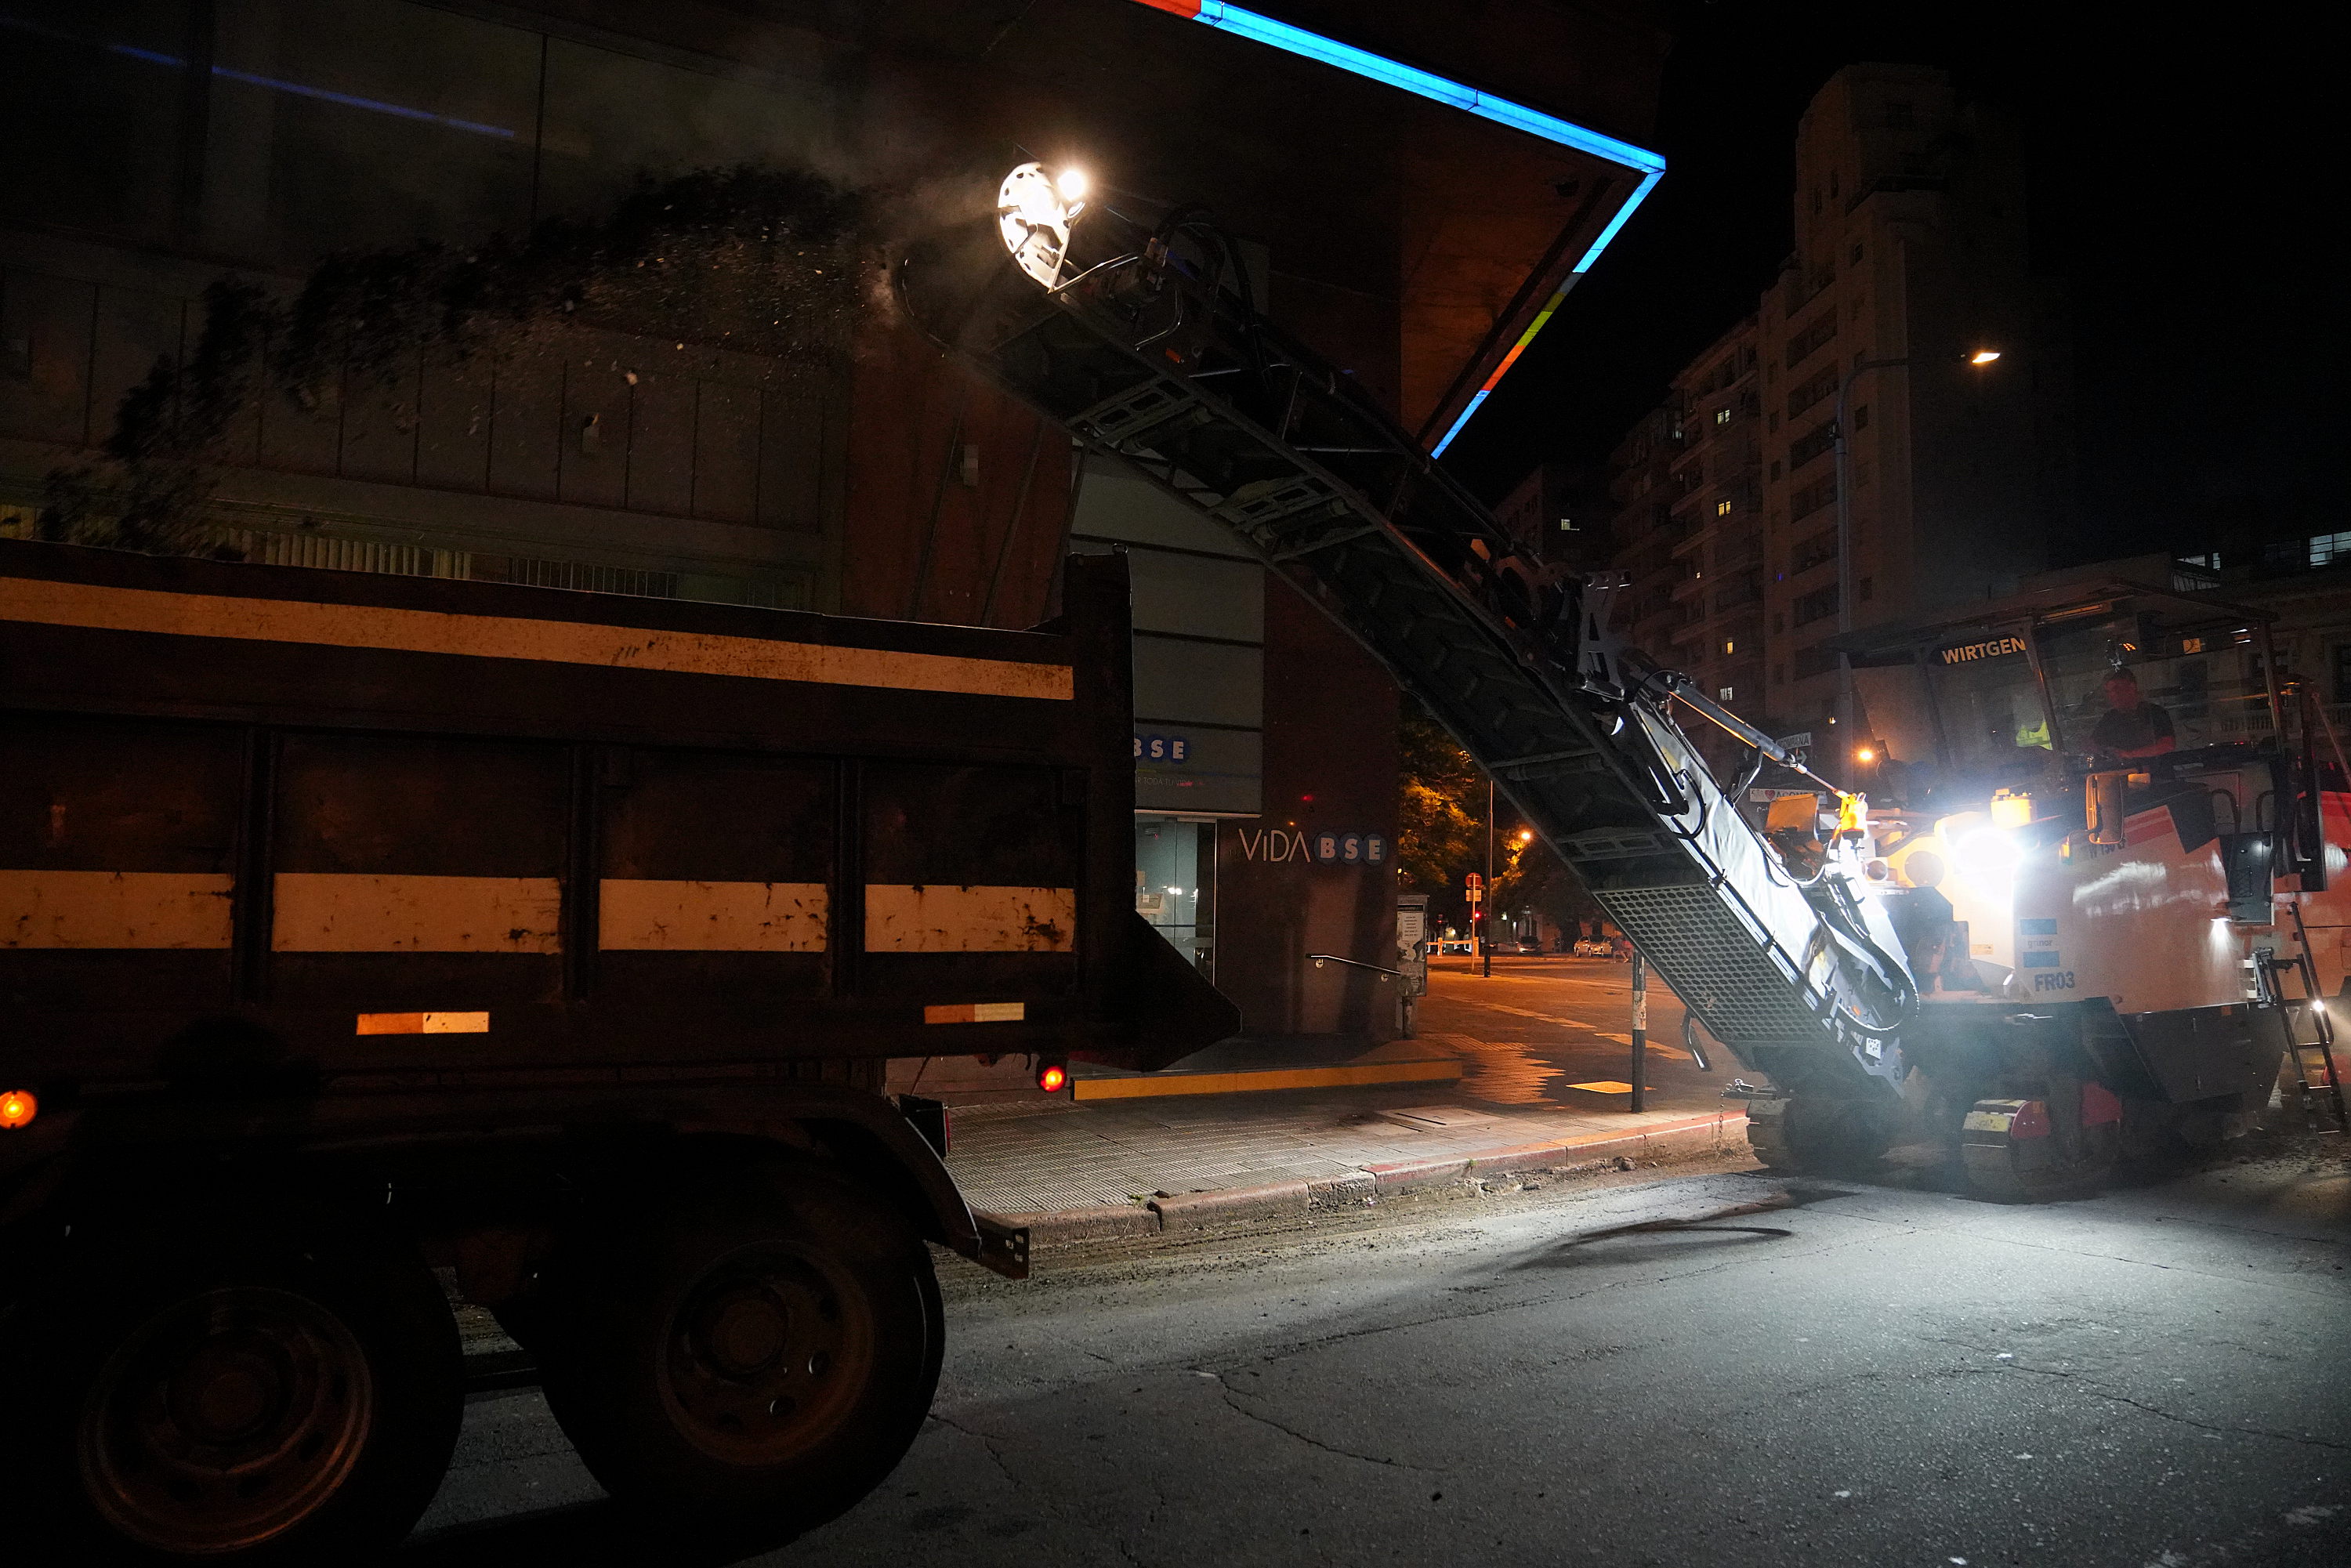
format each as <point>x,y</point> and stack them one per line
<point>1846,719</point>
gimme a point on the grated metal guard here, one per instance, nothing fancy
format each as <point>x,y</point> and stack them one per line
<point>1720,971</point>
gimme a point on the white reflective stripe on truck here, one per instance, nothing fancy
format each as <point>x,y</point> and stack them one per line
<point>506,637</point>
<point>333,912</point>
<point>114,909</point>
<point>650,916</point>
<point>938,917</point>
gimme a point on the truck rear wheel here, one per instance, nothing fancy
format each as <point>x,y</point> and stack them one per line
<point>751,1353</point>
<point>1817,1134</point>
<point>269,1398</point>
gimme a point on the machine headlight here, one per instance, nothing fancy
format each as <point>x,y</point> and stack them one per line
<point>1989,853</point>
<point>1034,210</point>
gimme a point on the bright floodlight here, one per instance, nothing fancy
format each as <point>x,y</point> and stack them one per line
<point>1983,356</point>
<point>1033,214</point>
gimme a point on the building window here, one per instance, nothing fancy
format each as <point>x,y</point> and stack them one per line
<point>1727,693</point>
<point>1771,421</point>
<point>1861,476</point>
<point>2342,672</point>
<point>1856,253</point>
<point>1822,385</point>
<point>1730,645</point>
<point>1812,497</point>
<point>1817,333</point>
<point>1779,622</point>
<point>1899,113</point>
<point>1864,589</point>
<point>1861,417</point>
<point>1775,468</point>
<point>1811,445</point>
<point>1722,509</point>
<point>1817,550</point>
<point>1818,605</point>
<point>2328,548</point>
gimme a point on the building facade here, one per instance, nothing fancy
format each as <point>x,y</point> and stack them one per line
<point>1910,260</point>
<point>157,147</point>
<point>1689,525</point>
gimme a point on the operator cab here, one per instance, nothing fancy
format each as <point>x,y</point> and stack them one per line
<point>2057,728</point>
<point>2036,693</point>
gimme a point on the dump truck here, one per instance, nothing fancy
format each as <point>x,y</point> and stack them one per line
<point>355,926</point>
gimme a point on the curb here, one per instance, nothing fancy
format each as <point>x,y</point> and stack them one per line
<point>1198,1210</point>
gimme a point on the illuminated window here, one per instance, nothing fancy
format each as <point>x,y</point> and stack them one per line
<point>2326,547</point>
<point>1730,645</point>
<point>1722,416</point>
<point>1726,694</point>
<point>1722,509</point>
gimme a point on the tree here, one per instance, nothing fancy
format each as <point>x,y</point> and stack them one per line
<point>1441,828</point>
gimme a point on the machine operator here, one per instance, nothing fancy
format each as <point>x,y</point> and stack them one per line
<point>2131,726</point>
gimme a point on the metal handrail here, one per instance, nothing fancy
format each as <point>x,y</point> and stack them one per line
<point>1322,958</point>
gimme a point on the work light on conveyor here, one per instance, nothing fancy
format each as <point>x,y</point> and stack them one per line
<point>1034,210</point>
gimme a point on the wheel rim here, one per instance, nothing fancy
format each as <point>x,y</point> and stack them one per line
<point>767,1355</point>
<point>225,1421</point>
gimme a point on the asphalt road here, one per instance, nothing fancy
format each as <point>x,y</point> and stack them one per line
<point>1540,1025</point>
<point>1808,1373</point>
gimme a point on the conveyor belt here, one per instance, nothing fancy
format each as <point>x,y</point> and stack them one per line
<point>1182,382</point>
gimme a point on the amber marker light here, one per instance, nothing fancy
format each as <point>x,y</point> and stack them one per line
<point>1052,1077</point>
<point>1983,356</point>
<point>17,1109</point>
<point>1864,755</point>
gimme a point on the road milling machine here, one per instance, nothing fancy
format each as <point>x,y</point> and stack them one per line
<point>2008,940</point>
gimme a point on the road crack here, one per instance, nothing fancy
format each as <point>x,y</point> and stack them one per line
<point>1232,1402</point>
<point>2097,1391</point>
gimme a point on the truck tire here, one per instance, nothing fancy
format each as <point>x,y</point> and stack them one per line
<point>1817,1135</point>
<point>747,1355</point>
<point>276,1394</point>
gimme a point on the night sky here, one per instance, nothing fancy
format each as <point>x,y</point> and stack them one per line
<point>2182,185</point>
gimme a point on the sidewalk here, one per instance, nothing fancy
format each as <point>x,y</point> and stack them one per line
<point>1081,1169</point>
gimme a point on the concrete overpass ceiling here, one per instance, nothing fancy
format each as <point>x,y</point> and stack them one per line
<point>1412,239</point>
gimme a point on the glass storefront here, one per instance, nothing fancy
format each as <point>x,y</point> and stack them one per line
<point>1176,884</point>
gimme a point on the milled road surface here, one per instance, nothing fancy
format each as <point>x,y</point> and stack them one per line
<point>1811,1373</point>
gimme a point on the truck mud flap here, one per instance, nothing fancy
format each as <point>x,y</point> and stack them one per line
<point>1002,1248</point>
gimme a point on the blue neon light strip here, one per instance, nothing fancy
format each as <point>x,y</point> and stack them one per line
<point>1476,403</point>
<point>1426,84</point>
<point>299,89</point>
<point>1442,89</point>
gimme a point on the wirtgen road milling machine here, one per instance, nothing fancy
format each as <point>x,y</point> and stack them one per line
<point>2047,946</point>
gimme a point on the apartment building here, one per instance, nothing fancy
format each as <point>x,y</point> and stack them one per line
<point>1910,262</point>
<point>1911,265</point>
<point>1689,525</point>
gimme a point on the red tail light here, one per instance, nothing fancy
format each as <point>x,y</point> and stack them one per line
<point>1053,1078</point>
